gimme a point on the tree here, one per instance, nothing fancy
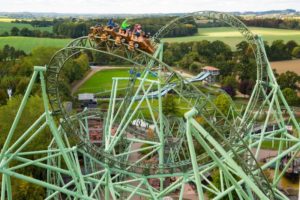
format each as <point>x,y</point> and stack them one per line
<point>33,110</point>
<point>25,190</point>
<point>291,97</point>
<point>26,32</point>
<point>223,102</point>
<point>229,85</point>
<point>216,181</point>
<point>229,90</point>
<point>3,97</point>
<point>230,81</point>
<point>169,105</point>
<point>288,80</point>
<point>188,59</point>
<point>279,51</point>
<point>296,52</point>
<point>195,67</point>
<point>246,86</point>
<point>290,45</point>
<point>5,34</point>
<point>220,48</point>
<point>14,31</point>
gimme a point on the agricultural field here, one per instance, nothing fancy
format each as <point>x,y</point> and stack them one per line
<point>5,19</point>
<point>102,81</point>
<point>284,66</point>
<point>6,26</point>
<point>28,43</point>
<point>233,37</point>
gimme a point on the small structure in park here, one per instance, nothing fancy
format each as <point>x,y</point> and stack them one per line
<point>213,71</point>
<point>87,100</point>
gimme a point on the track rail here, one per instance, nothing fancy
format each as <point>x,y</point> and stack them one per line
<point>234,144</point>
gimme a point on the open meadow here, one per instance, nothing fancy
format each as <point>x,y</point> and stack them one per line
<point>28,43</point>
<point>102,81</point>
<point>233,37</point>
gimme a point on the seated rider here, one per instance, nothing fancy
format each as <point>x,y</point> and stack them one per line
<point>111,24</point>
<point>125,26</point>
<point>137,30</point>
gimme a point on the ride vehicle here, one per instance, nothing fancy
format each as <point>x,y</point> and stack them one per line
<point>136,39</point>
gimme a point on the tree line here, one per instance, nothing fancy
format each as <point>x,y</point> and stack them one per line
<point>16,69</point>
<point>26,32</point>
<point>241,63</point>
<point>35,23</point>
<point>74,28</point>
<point>9,53</point>
<point>273,23</point>
<point>257,22</point>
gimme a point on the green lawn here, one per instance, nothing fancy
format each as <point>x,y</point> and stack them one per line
<point>28,43</point>
<point>233,37</point>
<point>102,81</point>
<point>5,25</point>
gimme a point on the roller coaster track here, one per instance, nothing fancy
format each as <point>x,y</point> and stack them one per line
<point>135,148</point>
<point>234,144</point>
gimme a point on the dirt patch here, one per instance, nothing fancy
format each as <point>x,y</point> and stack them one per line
<point>284,66</point>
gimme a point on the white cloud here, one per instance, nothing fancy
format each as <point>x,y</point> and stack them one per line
<point>144,6</point>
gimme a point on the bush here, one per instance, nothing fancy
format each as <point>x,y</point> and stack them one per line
<point>291,96</point>
<point>296,52</point>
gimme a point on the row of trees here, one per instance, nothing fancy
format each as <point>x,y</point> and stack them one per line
<point>16,73</point>
<point>258,22</point>
<point>35,23</point>
<point>28,32</point>
<point>238,68</point>
<point>193,55</point>
<point>273,23</point>
<point>75,28</point>
<point>279,50</point>
<point>288,81</point>
<point>10,53</point>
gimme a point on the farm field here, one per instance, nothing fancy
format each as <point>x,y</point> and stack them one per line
<point>284,66</point>
<point>102,81</point>
<point>233,37</point>
<point>28,43</point>
<point>5,19</point>
<point>6,26</point>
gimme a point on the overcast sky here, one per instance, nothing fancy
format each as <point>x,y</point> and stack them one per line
<point>143,6</point>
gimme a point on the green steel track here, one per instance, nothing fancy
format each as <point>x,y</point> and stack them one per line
<point>108,171</point>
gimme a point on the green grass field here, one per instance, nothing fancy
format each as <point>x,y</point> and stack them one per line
<point>6,26</point>
<point>28,43</point>
<point>233,37</point>
<point>102,81</point>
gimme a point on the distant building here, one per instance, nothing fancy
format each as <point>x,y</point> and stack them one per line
<point>86,97</point>
<point>87,100</point>
<point>214,72</point>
